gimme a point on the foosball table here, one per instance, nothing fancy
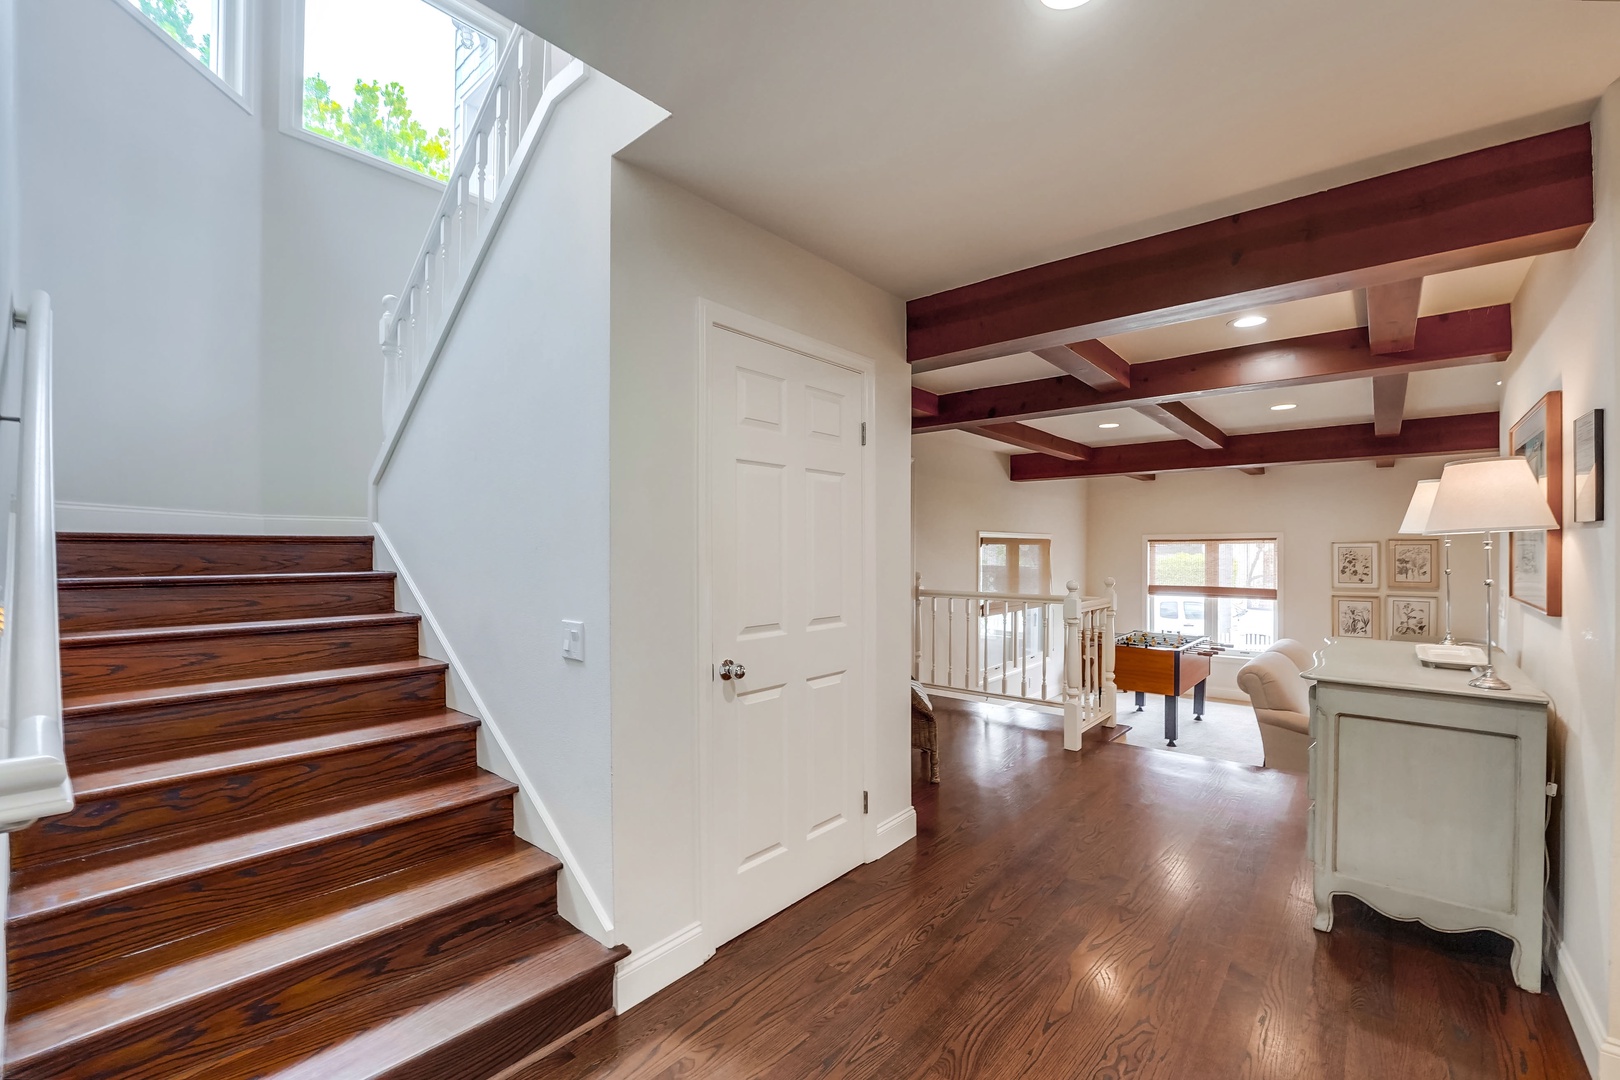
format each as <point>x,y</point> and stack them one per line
<point>1169,664</point>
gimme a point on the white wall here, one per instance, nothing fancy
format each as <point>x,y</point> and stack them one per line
<point>671,249</point>
<point>960,488</point>
<point>9,211</point>
<point>496,499</point>
<point>1565,333</point>
<point>216,282</point>
<point>1307,506</point>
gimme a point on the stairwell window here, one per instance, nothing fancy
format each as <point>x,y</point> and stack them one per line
<point>394,81</point>
<point>208,32</point>
<point>1220,587</point>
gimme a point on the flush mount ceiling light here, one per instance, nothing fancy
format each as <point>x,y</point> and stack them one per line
<point>1108,425</point>
<point>1284,407</point>
<point>1248,322</point>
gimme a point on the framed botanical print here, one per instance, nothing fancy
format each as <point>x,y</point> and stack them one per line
<point>1413,563</point>
<point>1355,565</point>
<point>1588,493</point>
<point>1411,618</point>
<point>1536,559</point>
<point>1355,616</point>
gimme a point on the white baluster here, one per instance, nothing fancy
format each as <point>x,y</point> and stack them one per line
<point>916,630</point>
<point>388,342</point>
<point>1073,669</point>
<point>1110,693</point>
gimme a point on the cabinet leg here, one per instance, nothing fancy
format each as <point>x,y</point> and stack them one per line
<point>1324,912</point>
<point>1170,718</point>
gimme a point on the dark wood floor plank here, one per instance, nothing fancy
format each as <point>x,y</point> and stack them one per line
<point>1130,913</point>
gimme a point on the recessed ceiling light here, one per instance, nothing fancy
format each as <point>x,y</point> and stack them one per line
<point>1063,5</point>
<point>1498,382</point>
<point>1248,322</point>
<point>1284,407</point>
<point>1116,425</point>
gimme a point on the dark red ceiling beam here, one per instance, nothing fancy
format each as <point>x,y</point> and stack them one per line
<point>1352,442</point>
<point>1392,315</point>
<point>1178,417</point>
<point>1484,335</point>
<point>1389,404</point>
<point>1041,442</point>
<point>1522,198</point>
<point>923,403</point>
<point>1092,362</point>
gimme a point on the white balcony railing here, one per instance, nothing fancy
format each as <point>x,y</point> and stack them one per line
<point>1054,652</point>
<point>33,772</point>
<point>531,78</point>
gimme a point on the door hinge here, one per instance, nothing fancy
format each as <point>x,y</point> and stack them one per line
<point>866,802</point>
<point>863,432</point>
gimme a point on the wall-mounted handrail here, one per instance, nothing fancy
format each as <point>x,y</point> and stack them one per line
<point>33,772</point>
<point>530,79</point>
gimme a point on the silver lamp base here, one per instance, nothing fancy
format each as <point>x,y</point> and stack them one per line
<point>1488,680</point>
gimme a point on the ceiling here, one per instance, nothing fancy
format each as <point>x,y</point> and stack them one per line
<point>924,144</point>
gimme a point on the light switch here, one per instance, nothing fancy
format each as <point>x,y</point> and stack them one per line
<point>573,640</point>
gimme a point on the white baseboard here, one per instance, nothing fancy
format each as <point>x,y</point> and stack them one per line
<point>1602,1053</point>
<point>107,517</point>
<point>645,972</point>
<point>891,833</point>
<point>577,901</point>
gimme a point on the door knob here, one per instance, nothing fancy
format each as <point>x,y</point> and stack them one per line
<point>730,669</point>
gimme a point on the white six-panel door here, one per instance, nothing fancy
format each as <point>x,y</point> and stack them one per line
<point>787,602</point>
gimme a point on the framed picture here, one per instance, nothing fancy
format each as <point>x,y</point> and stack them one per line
<point>1589,467</point>
<point>1414,563</point>
<point>1411,618</point>
<point>1536,559</point>
<point>1355,565</point>
<point>1355,616</point>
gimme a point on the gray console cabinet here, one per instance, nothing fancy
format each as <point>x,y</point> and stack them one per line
<point>1428,796</point>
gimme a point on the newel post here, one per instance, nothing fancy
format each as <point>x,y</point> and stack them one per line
<point>1073,669</point>
<point>1110,693</point>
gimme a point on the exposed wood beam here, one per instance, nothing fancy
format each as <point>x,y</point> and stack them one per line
<point>924,403</point>
<point>1527,197</point>
<point>1041,442</point>
<point>1092,362</point>
<point>1256,471</point>
<point>1483,335</point>
<point>1389,404</point>
<point>1179,417</point>
<point>1352,442</point>
<point>1392,315</point>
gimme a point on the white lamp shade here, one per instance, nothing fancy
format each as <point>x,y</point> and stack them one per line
<point>1500,495</point>
<point>1416,521</point>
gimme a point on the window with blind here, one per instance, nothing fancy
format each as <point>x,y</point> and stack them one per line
<point>1225,589</point>
<point>1015,564</point>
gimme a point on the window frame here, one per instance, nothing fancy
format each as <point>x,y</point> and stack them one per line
<point>236,17</point>
<point>1150,592</point>
<point>996,534</point>
<point>292,79</point>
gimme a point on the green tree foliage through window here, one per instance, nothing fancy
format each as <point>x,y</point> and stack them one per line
<point>175,18</point>
<point>379,123</point>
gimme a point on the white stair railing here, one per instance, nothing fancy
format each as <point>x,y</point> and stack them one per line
<point>532,77</point>
<point>33,772</point>
<point>1053,652</point>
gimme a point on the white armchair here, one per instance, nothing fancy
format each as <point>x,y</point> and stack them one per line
<point>1281,703</point>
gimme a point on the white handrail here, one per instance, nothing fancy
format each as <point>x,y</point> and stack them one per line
<point>498,146</point>
<point>1046,651</point>
<point>33,773</point>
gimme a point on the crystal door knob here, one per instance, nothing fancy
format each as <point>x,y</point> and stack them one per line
<point>730,669</point>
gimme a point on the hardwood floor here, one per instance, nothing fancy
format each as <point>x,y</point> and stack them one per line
<point>1132,913</point>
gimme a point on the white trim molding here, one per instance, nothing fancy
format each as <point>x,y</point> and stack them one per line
<point>647,971</point>
<point>577,899</point>
<point>890,833</point>
<point>109,517</point>
<point>237,26</point>
<point>1601,1050</point>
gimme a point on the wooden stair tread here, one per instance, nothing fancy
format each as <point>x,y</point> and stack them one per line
<point>548,968</point>
<point>234,629</point>
<point>216,580</point>
<point>182,693</point>
<point>104,883</point>
<point>123,780</point>
<point>84,1019</point>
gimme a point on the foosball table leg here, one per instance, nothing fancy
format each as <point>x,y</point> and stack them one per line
<point>1141,699</point>
<point>1170,701</point>
<point>1198,700</point>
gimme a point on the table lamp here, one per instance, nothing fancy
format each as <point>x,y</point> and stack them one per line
<point>1487,497</point>
<point>1416,523</point>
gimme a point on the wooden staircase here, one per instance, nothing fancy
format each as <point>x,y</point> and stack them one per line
<point>284,861</point>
